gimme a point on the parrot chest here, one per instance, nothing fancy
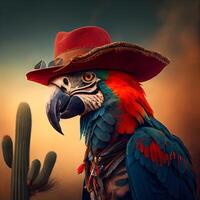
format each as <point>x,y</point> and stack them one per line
<point>98,128</point>
<point>113,188</point>
<point>105,173</point>
<point>105,168</point>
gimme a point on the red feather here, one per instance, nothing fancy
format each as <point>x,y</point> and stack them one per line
<point>133,104</point>
<point>81,168</point>
<point>157,155</point>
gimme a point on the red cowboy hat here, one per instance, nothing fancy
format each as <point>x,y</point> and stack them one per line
<point>90,47</point>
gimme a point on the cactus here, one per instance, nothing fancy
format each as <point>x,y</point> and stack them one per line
<point>7,148</point>
<point>26,182</point>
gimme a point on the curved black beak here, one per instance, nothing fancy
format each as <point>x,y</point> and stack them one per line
<point>62,105</point>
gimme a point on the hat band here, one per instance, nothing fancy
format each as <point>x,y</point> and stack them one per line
<point>68,56</point>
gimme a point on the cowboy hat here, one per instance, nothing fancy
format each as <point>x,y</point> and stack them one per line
<point>89,48</point>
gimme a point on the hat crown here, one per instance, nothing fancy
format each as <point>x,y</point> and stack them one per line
<point>88,37</point>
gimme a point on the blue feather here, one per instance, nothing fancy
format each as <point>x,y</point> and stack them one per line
<point>97,126</point>
<point>102,135</point>
<point>109,119</point>
<point>104,126</point>
<point>96,143</point>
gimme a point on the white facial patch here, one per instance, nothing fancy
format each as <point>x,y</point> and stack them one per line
<point>91,102</point>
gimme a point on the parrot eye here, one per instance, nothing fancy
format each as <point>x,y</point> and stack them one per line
<point>65,81</point>
<point>88,77</point>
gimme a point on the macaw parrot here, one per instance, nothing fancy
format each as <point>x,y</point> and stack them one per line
<point>130,155</point>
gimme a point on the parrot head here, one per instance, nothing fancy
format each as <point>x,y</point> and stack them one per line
<point>87,91</point>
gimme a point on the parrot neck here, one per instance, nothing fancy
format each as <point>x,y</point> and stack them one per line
<point>132,105</point>
<point>124,109</point>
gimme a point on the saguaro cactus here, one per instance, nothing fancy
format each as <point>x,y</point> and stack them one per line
<point>25,182</point>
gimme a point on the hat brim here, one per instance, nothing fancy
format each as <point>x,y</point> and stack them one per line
<point>141,63</point>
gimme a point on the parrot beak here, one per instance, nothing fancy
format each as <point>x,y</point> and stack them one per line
<point>63,106</point>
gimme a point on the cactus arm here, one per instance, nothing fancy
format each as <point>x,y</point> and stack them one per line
<point>34,171</point>
<point>43,178</point>
<point>7,149</point>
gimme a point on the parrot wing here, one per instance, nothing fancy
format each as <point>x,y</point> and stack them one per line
<point>159,165</point>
